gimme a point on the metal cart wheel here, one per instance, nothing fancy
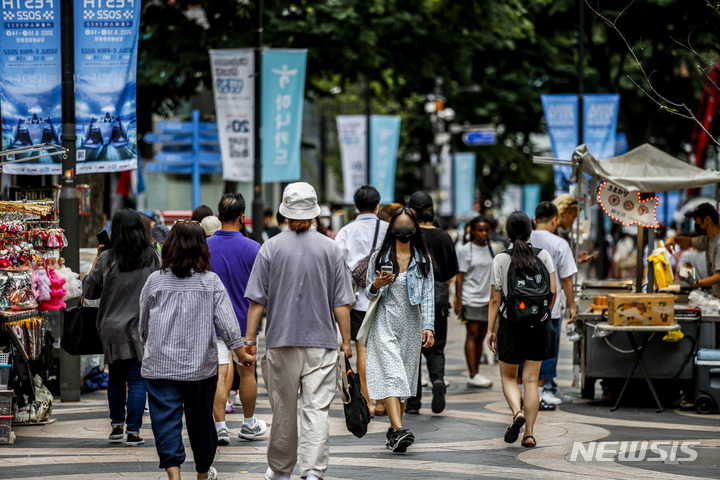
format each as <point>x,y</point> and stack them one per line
<point>704,404</point>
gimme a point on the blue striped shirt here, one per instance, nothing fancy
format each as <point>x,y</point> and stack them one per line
<point>178,318</point>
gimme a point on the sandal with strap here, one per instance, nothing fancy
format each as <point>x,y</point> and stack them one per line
<point>529,445</point>
<point>513,431</point>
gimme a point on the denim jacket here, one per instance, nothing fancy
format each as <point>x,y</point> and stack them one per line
<point>421,288</point>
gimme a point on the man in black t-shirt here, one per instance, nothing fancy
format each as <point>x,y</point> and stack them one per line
<point>442,249</point>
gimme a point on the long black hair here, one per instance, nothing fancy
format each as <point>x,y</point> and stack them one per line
<point>519,228</point>
<point>130,244</point>
<point>417,244</point>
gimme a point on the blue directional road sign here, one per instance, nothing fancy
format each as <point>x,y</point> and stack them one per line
<point>475,138</point>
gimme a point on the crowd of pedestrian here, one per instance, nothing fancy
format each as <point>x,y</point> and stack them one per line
<point>180,320</point>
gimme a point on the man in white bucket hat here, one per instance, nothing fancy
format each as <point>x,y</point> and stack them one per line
<point>300,277</point>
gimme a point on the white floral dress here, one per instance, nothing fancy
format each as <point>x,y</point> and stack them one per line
<point>394,343</point>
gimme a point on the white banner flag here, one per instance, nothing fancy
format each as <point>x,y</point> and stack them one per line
<point>353,152</point>
<point>233,86</point>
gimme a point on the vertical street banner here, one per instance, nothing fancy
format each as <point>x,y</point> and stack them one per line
<point>531,198</point>
<point>234,91</point>
<point>464,176</point>
<point>106,42</point>
<point>384,141</point>
<point>352,137</point>
<point>561,118</point>
<point>600,113</point>
<point>283,94</point>
<point>445,181</point>
<point>30,90</point>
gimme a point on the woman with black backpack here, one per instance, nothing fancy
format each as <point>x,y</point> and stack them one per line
<point>521,300</point>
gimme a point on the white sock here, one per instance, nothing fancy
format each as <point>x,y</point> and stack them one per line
<point>250,422</point>
<point>219,426</point>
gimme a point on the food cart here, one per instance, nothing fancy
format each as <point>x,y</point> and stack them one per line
<point>625,187</point>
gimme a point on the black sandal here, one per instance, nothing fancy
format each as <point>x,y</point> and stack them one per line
<point>528,445</point>
<point>513,431</point>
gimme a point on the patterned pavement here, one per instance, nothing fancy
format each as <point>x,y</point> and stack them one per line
<point>464,442</point>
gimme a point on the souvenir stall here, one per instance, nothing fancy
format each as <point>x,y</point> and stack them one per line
<point>34,283</point>
<point>644,331</point>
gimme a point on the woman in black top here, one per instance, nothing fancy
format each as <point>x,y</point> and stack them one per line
<point>117,278</point>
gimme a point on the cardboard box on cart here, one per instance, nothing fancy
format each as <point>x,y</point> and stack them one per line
<point>641,309</point>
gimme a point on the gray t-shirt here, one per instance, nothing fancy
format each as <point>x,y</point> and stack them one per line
<point>712,256</point>
<point>476,263</point>
<point>300,278</point>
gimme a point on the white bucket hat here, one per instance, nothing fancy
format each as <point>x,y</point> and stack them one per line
<point>299,202</point>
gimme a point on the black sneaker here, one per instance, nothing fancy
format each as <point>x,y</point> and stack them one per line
<point>400,440</point>
<point>546,407</point>
<point>412,410</point>
<point>117,435</point>
<point>388,437</point>
<point>438,401</point>
<point>134,440</point>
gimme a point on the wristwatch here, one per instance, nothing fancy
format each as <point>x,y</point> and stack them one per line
<point>250,344</point>
<point>696,284</point>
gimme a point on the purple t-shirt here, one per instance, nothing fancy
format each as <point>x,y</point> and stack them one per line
<point>232,256</point>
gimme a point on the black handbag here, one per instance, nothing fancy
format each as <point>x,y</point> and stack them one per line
<point>357,414</point>
<point>80,335</point>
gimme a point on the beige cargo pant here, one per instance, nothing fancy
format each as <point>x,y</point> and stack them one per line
<point>314,372</point>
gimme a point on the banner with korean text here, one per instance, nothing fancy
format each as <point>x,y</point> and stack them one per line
<point>384,140</point>
<point>283,94</point>
<point>30,91</point>
<point>234,91</point>
<point>352,137</point>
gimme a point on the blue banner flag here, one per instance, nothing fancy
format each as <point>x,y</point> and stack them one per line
<point>600,112</point>
<point>384,140</point>
<point>283,94</point>
<point>531,198</point>
<point>561,117</point>
<point>30,95</point>
<point>464,176</point>
<point>106,41</point>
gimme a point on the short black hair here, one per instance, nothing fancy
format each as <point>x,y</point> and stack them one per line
<point>545,212</point>
<point>268,213</point>
<point>426,215</point>
<point>280,218</point>
<point>231,207</point>
<point>201,212</point>
<point>366,198</point>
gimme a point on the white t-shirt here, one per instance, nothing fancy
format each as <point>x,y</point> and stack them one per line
<point>562,258</point>
<point>501,264</point>
<point>476,263</point>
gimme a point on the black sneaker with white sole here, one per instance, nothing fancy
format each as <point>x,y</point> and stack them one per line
<point>400,440</point>
<point>117,435</point>
<point>134,440</point>
<point>546,407</point>
<point>438,401</point>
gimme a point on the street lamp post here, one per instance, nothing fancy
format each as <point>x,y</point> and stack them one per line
<point>258,204</point>
<point>69,202</point>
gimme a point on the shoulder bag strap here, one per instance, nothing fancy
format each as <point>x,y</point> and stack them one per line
<point>377,230</point>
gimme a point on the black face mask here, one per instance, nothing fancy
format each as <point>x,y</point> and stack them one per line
<point>700,230</point>
<point>403,234</point>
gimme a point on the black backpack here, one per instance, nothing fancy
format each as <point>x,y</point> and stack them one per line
<point>527,301</point>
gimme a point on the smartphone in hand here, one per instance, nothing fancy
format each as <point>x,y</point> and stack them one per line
<point>386,270</point>
<point>103,238</point>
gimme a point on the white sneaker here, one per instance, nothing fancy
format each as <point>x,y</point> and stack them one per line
<point>270,475</point>
<point>312,476</point>
<point>562,396</point>
<point>425,381</point>
<point>248,433</point>
<point>236,400</point>
<point>548,397</point>
<point>478,381</point>
<point>212,474</point>
<point>223,437</point>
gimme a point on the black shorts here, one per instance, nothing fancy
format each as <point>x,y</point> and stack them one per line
<point>356,319</point>
<point>516,344</point>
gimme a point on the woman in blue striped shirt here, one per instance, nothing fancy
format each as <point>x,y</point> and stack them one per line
<point>181,308</point>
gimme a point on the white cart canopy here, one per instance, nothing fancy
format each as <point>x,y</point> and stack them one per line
<point>645,169</point>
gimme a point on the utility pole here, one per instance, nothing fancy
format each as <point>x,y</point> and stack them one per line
<point>258,205</point>
<point>69,201</point>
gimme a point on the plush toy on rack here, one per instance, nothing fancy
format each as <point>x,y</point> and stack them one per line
<point>40,285</point>
<point>57,292</point>
<point>17,257</point>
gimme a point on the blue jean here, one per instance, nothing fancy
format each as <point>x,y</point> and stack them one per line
<point>548,369</point>
<point>169,399</point>
<point>126,387</point>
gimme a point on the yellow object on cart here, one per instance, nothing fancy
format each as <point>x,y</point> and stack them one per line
<point>661,268</point>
